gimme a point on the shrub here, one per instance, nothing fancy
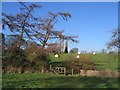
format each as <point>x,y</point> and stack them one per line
<point>38,57</point>
<point>18,60</point>
<point>74,50</point>
<point>13,57</point>
<point>84,62</point>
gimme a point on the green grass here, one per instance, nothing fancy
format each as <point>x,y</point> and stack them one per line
<point>31,80</point>
<point>106,62</point>
<point>36,80</point>
<point>103,61</point>
<point>62,57</point>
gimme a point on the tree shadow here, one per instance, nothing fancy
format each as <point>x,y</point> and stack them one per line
<point>85,82</point>
<point>64,82</point>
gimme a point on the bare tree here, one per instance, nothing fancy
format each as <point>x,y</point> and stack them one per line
<point>20,23</point>
<point>115,40</point>
<point>38,29</point>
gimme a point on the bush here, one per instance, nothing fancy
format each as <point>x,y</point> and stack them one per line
<point>74,50</point>
<point>84,62</point>
<point>31,60</point>
<point>38,58</point>
<point>13,57</point>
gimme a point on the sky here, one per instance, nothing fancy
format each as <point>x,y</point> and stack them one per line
<point>92,22</point>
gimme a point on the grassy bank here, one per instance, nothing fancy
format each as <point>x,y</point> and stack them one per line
<point>31,80</point>
<point>103,61</point>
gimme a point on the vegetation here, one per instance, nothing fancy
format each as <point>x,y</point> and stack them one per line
<point>84,62</point>
<point>115,40</point>
<point>102,61</point>
<point>31,60</point>
<point>27,53</point>
<point>35,80</point>
<point>74,50</point>
<point>21,49</point>
<point>40,30</point>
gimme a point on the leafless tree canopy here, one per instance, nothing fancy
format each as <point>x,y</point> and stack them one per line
<point>38,29</point>
<point>115,39</point>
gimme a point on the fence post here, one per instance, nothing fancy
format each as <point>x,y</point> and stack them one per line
<point>42,70</point>
<point>64,70</point>
<point>50,67</point>
<point>79,72</point>
<point>72,71</point>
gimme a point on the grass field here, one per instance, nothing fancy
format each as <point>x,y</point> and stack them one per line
<point>35,80</point>
<point>103,61</point>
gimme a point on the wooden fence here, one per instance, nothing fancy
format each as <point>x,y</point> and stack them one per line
<point>108,73</point>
